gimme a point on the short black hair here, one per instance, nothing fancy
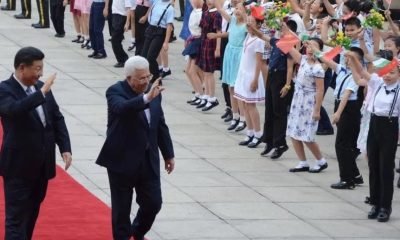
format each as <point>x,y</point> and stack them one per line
<point>354,21</point>
<point>319,41</point>
<point>353,6</point>
<point>322,15</point>
<point>27,56</point>
<point>386,54</point>
<point>292,25</point>
<point>359,52</point>
<point>366,6</point>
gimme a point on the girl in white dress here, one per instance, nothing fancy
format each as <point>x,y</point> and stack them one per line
<point>249,86</point>
<point>306,104</point>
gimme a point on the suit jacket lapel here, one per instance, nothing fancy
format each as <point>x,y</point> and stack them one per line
<point>20,92</point>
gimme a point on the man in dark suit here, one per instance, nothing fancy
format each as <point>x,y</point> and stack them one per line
<point>33,125</point>
<point>136,130</point>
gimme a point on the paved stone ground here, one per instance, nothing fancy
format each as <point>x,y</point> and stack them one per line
<point>219,190</point>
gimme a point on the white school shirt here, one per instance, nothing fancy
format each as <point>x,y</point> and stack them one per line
<point>194,22</point>
<point>380,101</point>
<point>121,7</point>
<point>349,83</point>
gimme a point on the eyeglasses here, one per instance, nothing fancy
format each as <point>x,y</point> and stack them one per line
<point>144,79</point>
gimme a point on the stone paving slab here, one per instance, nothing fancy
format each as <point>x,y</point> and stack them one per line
<point>218,190</point>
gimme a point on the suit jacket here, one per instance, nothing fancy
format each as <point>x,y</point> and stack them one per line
<point>28,148</point>
<point>130,139</point>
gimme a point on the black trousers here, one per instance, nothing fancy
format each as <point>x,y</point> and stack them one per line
<point>57,10</point>
<point>96,26</point>
<point>348,129</point>
<point>225,87</point>
<point>118,22</point>
<point>26,8</point>
<point>381,151</point>
<point>325,123</point>
<point>43,11</point>
<point>154,40</point>
<point>148,196</point>
<point>140,29</point>
<point>22,202</point>
<point>109,17</point>
<point>11,4</point>
<point>276,110</point>
<point>182,7</point>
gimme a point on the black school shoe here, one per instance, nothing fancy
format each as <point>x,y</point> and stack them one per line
<point>373,213</point>
<point>384,214</point>
<point>279,151</point>
<point>246,141</point>
<point>343,185</point>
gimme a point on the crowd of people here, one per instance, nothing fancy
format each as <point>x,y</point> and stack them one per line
<point>259,63</point>
<point>335,45</point>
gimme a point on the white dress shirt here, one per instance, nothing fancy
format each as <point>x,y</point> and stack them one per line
<point>382,102</point>
<point>39,109</point>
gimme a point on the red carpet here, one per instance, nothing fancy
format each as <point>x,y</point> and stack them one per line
<point>69,212</point>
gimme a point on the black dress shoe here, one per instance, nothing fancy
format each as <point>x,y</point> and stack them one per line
<point>301,169</point>
<point>179,19</point>
<point>234,124</point>
<point>226,113</point>
<point>77,39</point>
<point>267,149</point>
<point>228,118</point>
<point>194,99</point>
<point>5,8</point>
<point>196,103</point>
<point>172,39</point>
<point>38,25</point>
<point>59,35</point>
<point>85,43</point>
<point>398,170</point>
<point>358,180</point>
<point>210,106</point>
<point>165,73</point>
<point>202,104</point>
<point>99,56</point>
<point>318,170</point>
<point>279,151</point>
<point>119,65</point>
<point>92,54</point>
<point>373,213</point>
<point>254,143</point>
<point>384,214</point>
<point>21,16</point>
<point>246,141</point>
<point>131,47</point>
<point>325,132</point>
<point>343,185</point>
<point>242,125</point>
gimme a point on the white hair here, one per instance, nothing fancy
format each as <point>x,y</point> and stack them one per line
<point>135,63</point>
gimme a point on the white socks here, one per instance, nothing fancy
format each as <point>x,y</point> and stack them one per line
<point>302,164</point>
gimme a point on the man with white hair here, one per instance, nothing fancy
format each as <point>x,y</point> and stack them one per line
<point>136,130</point>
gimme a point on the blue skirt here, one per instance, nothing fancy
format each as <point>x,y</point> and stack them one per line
<point>192,48</point>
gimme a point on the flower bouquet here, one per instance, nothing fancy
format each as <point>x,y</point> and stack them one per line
<point>276,15</point>
<point>341,40</point>
<point>374,20</point>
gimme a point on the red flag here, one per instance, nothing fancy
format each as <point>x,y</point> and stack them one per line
<point>257,12</point>
<point>388,68</point>
<point>333,53</point>
<point>287,42</point>
<point>346,17</point>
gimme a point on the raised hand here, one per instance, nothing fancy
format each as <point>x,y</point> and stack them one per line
<point>48,83</point>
